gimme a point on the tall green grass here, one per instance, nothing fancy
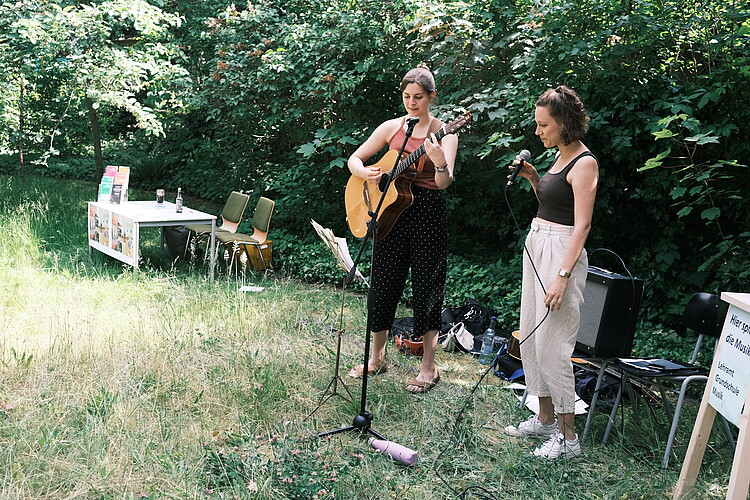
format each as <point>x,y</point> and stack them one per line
<point>163,384</point>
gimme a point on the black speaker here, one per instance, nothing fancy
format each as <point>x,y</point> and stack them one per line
<point>611,303</point>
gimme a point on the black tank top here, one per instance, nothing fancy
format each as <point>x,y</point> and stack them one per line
<point>555,195</point>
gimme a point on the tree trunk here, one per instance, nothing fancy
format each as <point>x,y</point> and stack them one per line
<point>21,171</point>
<point>96,137</point>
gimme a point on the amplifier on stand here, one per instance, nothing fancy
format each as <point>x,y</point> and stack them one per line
<point>611,303</point>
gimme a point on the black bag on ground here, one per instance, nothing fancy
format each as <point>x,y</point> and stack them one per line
<point>506,366</point>
<point>178,242</point>
<point>474,316</point>
<point>403,327</point>
<point>586,383</point>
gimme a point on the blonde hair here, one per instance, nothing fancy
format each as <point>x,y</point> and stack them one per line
<point>421,75</point>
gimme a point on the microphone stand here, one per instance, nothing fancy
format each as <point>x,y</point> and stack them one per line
<point>363,420</point>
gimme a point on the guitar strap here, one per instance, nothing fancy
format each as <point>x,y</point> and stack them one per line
<point>435,125</point>
<point>434,128</point>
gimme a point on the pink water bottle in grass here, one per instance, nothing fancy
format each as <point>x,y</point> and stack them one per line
<point>395,451</point>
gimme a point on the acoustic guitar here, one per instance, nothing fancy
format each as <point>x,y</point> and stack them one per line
<point>362,197</point>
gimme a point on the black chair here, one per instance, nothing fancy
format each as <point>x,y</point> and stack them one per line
<point>703,314</point>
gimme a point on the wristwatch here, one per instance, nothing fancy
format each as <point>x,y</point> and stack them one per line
<point>563,273</point>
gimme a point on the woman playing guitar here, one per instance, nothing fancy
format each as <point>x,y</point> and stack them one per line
<point>418,237</point>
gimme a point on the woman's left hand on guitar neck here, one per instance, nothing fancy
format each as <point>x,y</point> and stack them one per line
<point>434,150</point>
<point>443,154</point>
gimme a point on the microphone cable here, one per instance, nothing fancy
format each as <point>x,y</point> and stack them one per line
<point>531,261</point>
<point>485,493</point>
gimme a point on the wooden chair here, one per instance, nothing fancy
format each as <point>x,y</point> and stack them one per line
<point>237,243</point>
<point>231,216</point>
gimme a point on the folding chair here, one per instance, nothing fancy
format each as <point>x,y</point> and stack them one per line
<point>231,216</point>
<point>704,314</point>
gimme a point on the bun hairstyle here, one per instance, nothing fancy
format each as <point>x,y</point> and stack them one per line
<point>566,108</point>
<point>421,75</point>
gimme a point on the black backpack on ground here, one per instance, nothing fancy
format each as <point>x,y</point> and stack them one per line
<point>178,242</point>
<point>474,316</point>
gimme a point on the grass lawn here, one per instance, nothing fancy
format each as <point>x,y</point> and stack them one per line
<point>163,384</point>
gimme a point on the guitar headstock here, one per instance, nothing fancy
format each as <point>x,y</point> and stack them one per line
<point>458,123</point>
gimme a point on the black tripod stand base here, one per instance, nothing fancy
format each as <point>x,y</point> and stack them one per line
<point>361,423</point>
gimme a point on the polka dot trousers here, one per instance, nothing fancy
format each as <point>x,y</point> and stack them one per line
<point>417,241</point>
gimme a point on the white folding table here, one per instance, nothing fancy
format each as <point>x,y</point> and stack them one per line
<point>114,229</point>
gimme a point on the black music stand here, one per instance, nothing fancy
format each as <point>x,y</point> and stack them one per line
<point>363,420</point>
<point>340,250</point>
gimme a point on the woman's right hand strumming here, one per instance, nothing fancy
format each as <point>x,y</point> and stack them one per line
<point>370,173</point>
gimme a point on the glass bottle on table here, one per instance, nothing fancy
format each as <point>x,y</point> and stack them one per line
<point>178,201</point>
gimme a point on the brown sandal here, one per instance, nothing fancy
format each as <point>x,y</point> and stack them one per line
<point>358,370</point>
<point>422,387</point>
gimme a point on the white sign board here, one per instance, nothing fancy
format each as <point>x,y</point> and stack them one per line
<point>729,372</point>
<point>729,386</point>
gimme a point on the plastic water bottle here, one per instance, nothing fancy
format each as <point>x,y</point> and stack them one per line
<point>178,201</point>
<point>487,354</point>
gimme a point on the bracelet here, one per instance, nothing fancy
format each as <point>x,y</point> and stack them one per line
<point>441,169</point>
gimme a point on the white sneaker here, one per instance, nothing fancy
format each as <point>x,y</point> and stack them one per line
<point>532,427</point>
<point>559,447</point>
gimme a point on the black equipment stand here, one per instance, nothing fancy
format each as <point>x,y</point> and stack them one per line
<point>363,420</point>
<point>332,389</point>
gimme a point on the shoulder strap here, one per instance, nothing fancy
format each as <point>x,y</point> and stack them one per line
<point>435,125</point>
<point>399,129</point>
<point>574,161</point>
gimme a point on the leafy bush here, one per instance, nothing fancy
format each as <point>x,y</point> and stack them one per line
<point>272,98</point>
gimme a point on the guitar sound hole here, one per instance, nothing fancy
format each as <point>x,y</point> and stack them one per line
<point>383,182</point>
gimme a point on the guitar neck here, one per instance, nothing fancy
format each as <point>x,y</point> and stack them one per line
<point>415,155</point>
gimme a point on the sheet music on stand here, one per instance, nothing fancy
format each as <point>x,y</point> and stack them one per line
<point>339,248</point>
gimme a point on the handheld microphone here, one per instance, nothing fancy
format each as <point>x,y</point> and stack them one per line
<point>395,451</point>
<point>525,156</point>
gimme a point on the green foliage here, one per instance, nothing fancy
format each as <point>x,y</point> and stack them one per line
<point>707,194</point>
<point>271,98</point>
<point>497,285</point>
<point>115,55</point>
<point>312,261</point>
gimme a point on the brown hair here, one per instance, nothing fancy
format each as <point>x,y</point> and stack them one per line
<point>421,75</point>
<point>567,109</point>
